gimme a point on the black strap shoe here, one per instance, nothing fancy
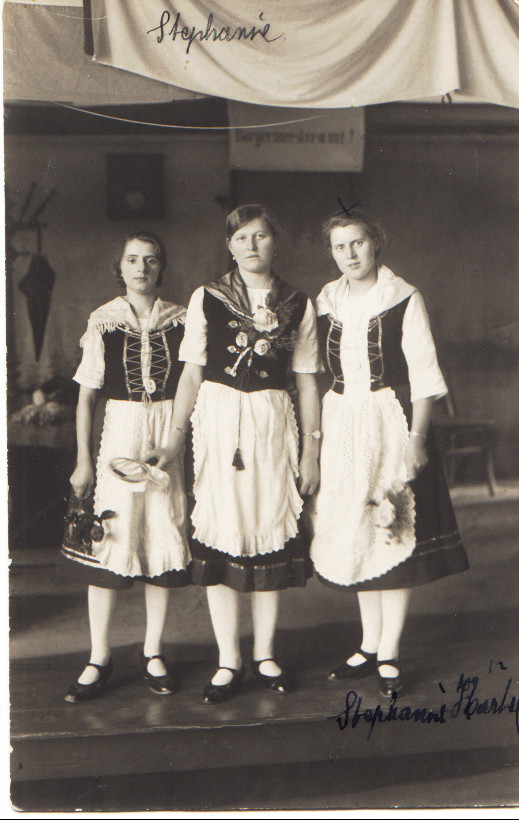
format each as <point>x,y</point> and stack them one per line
<point>348,672</point>
<point>214,693</point>
<point>159,684</point>
<point>281,683</point>
<point>79,692</point>
<point>389,685</point>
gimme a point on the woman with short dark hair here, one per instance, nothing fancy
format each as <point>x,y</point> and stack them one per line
<point>120,531</point>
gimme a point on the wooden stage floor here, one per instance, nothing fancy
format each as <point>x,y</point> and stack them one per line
<point>462,625</point>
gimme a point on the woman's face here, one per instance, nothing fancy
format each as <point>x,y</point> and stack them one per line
<point>140,266</point>
<point>354,251</point>
<point>253,246</point>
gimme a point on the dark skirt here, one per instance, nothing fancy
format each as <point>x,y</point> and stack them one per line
<point>288,567</point>
<point>439,551</point>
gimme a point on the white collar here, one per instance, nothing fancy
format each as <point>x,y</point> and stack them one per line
<point>119,312</point>
<point>389,290</point>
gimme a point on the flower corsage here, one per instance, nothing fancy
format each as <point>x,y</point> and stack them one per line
<point>261,334</point>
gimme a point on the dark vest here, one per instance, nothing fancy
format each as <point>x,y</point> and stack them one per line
<point>123,373</point>
<point>241,357</point>
<point>387,363</point>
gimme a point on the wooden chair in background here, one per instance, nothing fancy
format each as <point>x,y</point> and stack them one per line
<point>463,437</point>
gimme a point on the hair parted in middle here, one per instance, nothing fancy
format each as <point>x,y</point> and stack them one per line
<point>144,236</point>
<point>246,213</point>
<point>356,216</point>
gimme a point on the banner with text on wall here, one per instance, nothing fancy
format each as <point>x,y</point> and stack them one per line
<point>279,139</point>
<point>316,53</point>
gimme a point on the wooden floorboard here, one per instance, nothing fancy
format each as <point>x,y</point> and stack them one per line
<point>461,625</point>
<point>131,730</point>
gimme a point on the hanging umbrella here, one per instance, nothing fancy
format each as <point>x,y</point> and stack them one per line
<point>37,286</point>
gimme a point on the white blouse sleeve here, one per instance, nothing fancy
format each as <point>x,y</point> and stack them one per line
<point>91,371</point>
<point>306,358</point>
<point>193,348</point>
<point>425,376</point>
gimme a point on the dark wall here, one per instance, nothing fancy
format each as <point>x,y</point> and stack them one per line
<point>450,207</point>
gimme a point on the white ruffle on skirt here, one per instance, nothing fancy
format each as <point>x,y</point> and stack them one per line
<point>365,435</point>
<point>148,534</point>
<point>255,510</point>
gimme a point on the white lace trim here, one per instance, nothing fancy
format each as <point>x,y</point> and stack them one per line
<point>118,314</point>
<point>239,547</point>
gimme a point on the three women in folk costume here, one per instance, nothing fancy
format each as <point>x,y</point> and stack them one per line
<point>382,517</point>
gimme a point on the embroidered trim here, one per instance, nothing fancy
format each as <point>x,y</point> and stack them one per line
<point>160,361</point>
<point>81,557</point>
<point>255,336</point>
<point>225,557</point>
<point>125,359</point>
<point>375,348</point>
<point>439,546</point>
<point>168,358</point>
<point>107,326</point>
<point>111,325</point>
<point>334,351</point>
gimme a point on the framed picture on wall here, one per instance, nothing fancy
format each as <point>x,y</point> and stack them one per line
<point>135,186</point>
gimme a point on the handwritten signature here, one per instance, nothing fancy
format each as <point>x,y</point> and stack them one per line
<point>211,32</point>
<point>467,705</point>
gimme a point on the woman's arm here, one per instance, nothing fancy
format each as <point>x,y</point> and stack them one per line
<point>82,479</point>
<point>185,398</point>
<point>308,399</point>
<point>425,378</point>
<point>416,454</point>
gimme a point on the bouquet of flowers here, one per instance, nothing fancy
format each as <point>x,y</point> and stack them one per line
<point>391,508</point>
<point>83,527</point>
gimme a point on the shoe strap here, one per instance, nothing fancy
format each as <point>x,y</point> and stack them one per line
<point>229,668</point>
<point>366,655</point>
<point>153,657</point>
<point>98,666</point>
<point>392,662</point>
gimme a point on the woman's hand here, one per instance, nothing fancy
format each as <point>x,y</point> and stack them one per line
<point>82,479</point>
<point>187,391</point>
<point>309,472</point>
<point>163,457</point>
<point>308,400</point>
<point>415,456</point>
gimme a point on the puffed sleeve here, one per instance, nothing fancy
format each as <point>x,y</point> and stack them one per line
<point>193,348</point>
<point>425,376</point>
<point>91,371</point>
<point>306,358</point>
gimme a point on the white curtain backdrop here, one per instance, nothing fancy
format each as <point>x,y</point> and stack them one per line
<point>317,53</point>
<point>44,60</point>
